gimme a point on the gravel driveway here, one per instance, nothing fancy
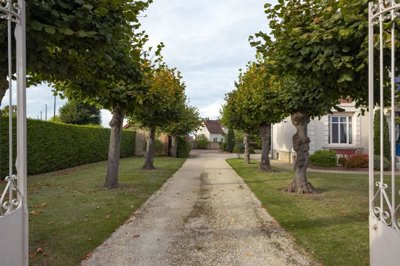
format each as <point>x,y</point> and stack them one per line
<point>204,215</point>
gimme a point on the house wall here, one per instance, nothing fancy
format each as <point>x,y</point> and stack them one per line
<point>220,137</point>
<point>318,131</point>
<point>141,142</point>
<point>203,131</point>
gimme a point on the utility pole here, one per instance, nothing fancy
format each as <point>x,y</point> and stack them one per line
<point>45,114</point>
<point>54,115</point>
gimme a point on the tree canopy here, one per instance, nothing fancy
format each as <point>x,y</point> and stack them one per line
<point>80,113</point>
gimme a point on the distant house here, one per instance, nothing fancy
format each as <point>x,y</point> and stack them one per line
<point>212,129</point>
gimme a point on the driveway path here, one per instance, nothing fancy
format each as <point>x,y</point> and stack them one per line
<point>204,215</point>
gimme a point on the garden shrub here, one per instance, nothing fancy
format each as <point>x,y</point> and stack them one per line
<point>357,161</point>
<point>54,147</point>
<point>202,142</point>
<point>323,158</point>
<point>377,163</point>
<point>184,147</point>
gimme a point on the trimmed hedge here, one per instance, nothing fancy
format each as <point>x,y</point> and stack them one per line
<point>323,158</point>
<point>183,147</point>
<point>54,147</point>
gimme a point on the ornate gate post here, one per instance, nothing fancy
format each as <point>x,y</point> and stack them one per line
<point>14,246</point>
<point>384,225</point>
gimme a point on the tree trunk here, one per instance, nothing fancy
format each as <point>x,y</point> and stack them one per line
<point>174,147</point>
<point>265,134</point>
<point>246,141</point>
<point>114,148</point>
<point>301,144</point>
<point>149,156</point>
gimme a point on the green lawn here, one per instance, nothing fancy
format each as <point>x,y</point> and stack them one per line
<point>332,224</point>
<point>71,214</point>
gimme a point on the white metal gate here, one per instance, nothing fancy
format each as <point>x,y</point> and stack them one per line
<point>13,204</point>
<point>384,187</point>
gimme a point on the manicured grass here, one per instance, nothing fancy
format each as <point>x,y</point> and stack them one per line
<point>332,224</point>
<point>71,213</point>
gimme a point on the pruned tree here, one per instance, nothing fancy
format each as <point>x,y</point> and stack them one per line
<point>160,106</point>
<point>318,51</point>
<point>187,121</point>
<point>112,75</point>
<point>232,116</point>
<point>261,104</point>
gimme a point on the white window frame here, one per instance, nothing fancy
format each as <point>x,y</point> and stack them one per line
<point>349,130</point>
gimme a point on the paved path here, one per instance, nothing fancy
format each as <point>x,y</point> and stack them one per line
<point>203,215</point>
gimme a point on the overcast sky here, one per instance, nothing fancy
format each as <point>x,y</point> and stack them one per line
<point>207,40</point>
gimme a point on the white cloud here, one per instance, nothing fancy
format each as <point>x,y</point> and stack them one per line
<point>207,41</point>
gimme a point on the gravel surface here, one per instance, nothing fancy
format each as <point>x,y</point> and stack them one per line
<point>204,215</point>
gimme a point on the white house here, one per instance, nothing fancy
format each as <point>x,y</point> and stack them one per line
<point>344,132</point>
<point>213,130</point>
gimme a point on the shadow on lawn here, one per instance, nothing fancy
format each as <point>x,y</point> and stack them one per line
<point>327,221</point>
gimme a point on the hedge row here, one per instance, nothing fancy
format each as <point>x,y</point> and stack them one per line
<point>54,147</point>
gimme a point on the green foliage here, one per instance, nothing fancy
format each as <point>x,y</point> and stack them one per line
<point>187,121</point>
<point>184,147</point>
<point>357,161</point>
<point>323,158</point>
<point>256,100</point>
<point>230,141</point>
<point>377,163</point>
<point>79,113</point>
<point>319,52</point>
<point>53,146</point>
<point>377,138</point>
<point>201,142</point>
<point>163,102</point>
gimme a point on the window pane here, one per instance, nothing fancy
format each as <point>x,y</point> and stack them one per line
<point>335,119</point>
<point>335,133</point>
<point>343,119</point>
<point>343,133</point>
<point>350,119</point>
<point>350,132</point>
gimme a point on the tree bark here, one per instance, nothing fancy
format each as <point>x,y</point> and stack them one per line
<point>246,142</point>
<point>149,156</point>
<point>301,144</point>
<point>265,134</point>
<point>114,148</point>
<point>174,147</point>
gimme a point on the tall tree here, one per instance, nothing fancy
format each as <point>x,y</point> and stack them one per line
<point>160,106</point>
<point>261,104</point>
<point>318,50</point>
<point>60,32</point>
<point>230,140</point>
<point>233,117</point>
<point>114,76</point>
<point>187,121</point>
<point>80,113</point>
